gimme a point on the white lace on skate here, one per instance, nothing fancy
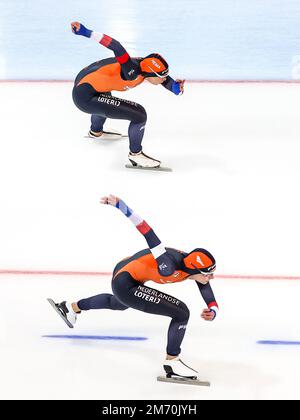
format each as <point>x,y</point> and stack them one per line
<point>176,367</point>
<point>140,159</point>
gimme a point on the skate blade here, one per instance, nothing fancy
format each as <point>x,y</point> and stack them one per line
<point>52,303</point>
<point>144,168</point>
<point>115,133</point>
<point>182,381</point>
<point>108,135</point>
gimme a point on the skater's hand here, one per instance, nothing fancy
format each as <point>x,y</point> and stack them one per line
<point>112,200</point>
<point>80,29</point>
<point>208,314</point>
<point>181,84</point>
<point>178,87</point>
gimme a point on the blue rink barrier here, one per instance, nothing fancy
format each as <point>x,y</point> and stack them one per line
<point>279,342</point>
<point>97,337</point>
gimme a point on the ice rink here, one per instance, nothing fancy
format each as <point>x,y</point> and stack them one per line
<point>234,150</point>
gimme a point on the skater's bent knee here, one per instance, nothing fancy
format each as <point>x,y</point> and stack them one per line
<point>140,116</point>
<point>144,115</point>
<point>183,313</point>
<point>117,305</point>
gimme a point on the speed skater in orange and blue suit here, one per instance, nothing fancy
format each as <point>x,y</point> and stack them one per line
<point>94,84</point>
<point>161,265</point>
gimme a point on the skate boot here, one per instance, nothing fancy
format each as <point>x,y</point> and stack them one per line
<point>93,135</point>
<point>141,160</point>
<point>176,367</point>
<point>65,311</point>
<point>105,135</point>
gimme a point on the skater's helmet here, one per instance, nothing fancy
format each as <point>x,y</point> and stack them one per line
<point>200,261</point>
<point>154,65</point>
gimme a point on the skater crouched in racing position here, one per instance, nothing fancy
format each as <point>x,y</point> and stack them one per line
<point>161,265</point>
<point>93,86</point>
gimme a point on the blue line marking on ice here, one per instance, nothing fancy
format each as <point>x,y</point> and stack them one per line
<point>97,337</point>
<point>279,342</point>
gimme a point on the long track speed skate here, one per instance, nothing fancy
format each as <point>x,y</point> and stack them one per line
<point>106,135</point>
<point>156,169</point>
<point>179,373</point>
<point>142,161</point>
<point>65,314</point>
<point>181,380</point>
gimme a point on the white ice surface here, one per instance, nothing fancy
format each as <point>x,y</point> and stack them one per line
<point>234,149</point>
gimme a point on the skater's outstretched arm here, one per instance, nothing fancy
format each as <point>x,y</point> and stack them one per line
<point>208,295</point>
<point>166,266</point>
<point>130,70</point>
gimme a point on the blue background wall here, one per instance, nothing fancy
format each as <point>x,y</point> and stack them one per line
<point>201,39</point>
